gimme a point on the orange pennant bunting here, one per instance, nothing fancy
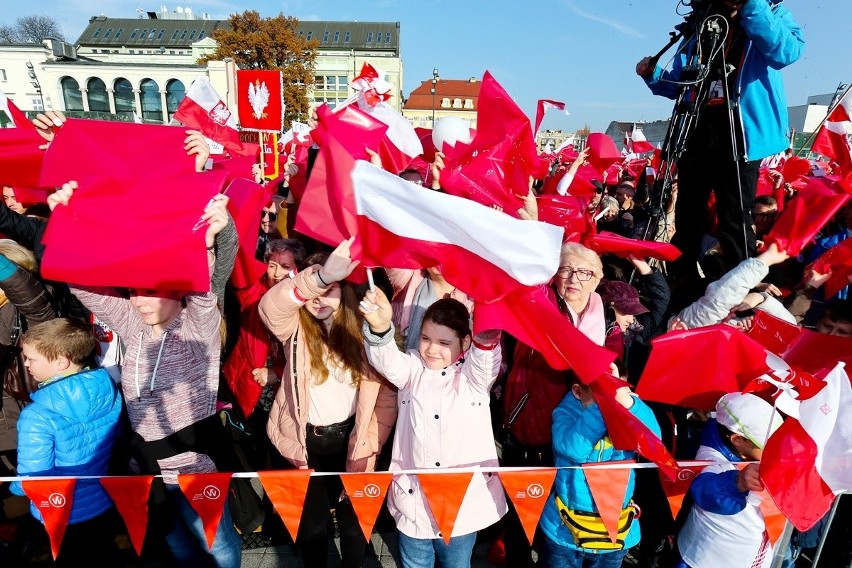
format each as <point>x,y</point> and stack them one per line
<point>528,491</point>
<point>54,499</point>
<point>286,490</point>
<point>445,492</point>
<point>608,487</point>
<point>367,492</point>
<point>677,488</point>
<point>130,495</point>
<point>207,493</point>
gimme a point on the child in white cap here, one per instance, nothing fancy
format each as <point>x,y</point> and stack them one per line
<point>725,526</point>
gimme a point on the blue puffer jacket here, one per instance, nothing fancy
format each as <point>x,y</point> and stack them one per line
<point>69,429</point>
<point>773,41</point>
<point>579,436</point>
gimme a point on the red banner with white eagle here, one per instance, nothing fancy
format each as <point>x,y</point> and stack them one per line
<point>260,100</point>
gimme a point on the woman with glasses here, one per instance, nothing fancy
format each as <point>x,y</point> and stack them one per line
<point>533,389</point>
<point>268,229</point>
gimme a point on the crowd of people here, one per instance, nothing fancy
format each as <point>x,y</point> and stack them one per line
<point>319,372</point>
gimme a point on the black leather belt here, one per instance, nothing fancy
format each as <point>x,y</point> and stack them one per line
<point>333,429</point>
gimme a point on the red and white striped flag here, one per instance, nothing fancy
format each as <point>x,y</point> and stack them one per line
<point>640,144</point>
<point>204,110</point>
<point>808,460</point>
<point>541,108</point>
<point>832,140</point>
<point>401,143</point>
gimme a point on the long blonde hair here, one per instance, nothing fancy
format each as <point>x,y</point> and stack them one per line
<point>20,255</point>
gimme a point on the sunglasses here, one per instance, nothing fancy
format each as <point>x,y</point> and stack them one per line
<point>272,216</point>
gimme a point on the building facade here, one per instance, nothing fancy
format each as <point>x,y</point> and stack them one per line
<point>437,98</point>
<point>144,66</point>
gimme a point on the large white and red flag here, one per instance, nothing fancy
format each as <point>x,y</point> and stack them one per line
<point>832,139</point>
<point>203,110</point>
<point>639,144</point>
<point>542,107</point>
<point>808,460</point>
<point>484,253</point>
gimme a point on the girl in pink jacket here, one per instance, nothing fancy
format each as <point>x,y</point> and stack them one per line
<point>443,422</point>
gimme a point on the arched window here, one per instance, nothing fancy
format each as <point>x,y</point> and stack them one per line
<point>97,95</point>
<point>152,107</point>
<point>175,92</point>
<point>71,94</point>
<point>125,102</point>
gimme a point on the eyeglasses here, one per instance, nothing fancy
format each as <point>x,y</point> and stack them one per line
<point>272,216</point>
<point>582,274</point>
<point>766,215</point>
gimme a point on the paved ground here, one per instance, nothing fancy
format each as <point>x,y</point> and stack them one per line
<point>384,550</point>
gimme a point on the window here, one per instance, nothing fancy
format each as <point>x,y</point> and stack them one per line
<point>133,35</point>
<point>200,34</point>
<point>346,37</point>
<point>175,92</point>
<point>152,105</point>
<point>342,82</point>
<point>2,74</point>
<point>125,102</point>
<point>325,37</point>
<point>309,36</point>
<point>387,37</point>
<point>369,37</point>
<point>108,33</point>
<point>331,83</point>
<point>132,51</point>
<point>183,35</point>
<point>468,103</point>
<point>152,34</point>
<point>104,51</point>
<point>143,33</point>
<point>336,37</point>
<point>319,82</point>
<point>457,103</point>
<point>37,104</point>
<point>171,52</point>
<point>118,33</point>
<point>97,32</point>
<point>445,103</point>
<point>71,94</point>
<point>161,34</point>
<point>97,95</point>
<point>192,35</point>
<point>175,34</point>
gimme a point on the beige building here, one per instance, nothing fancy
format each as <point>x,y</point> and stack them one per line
<point>437,98</point>
<point>122,66</point>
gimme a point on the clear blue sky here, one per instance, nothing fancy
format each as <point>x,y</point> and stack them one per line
<point>577,51</point>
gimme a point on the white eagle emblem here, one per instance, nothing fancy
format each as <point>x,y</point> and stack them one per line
<point>258,96</point>
<point>220,114</point>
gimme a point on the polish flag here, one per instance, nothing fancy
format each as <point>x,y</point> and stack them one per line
<point>19,119</point>
<point>484,253</point>
<point>808,460</point>
<point>542,107</point>
<point>204,110</point>
<point>832,140</point>
<point>401,143</point>
<point>640,144</point>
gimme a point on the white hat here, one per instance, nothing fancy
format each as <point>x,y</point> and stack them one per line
<point>749,416</point>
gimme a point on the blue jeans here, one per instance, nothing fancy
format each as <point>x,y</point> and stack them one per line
<point>555,556</point>
<point>188,544</point>
<point>422,552</point>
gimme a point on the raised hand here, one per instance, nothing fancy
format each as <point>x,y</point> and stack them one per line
<point>339,264</point>
<point>376,310</point>
<point>62,195</point>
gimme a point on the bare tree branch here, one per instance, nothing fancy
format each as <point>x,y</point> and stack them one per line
<point>35,28</point>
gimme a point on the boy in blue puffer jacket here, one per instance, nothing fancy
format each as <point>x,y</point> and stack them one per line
<point>69,430</point>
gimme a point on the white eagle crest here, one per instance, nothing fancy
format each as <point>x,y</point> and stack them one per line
<point>258,96</point>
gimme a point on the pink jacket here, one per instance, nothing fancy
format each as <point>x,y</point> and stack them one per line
<point>444,422</point>
<point>375,411</point>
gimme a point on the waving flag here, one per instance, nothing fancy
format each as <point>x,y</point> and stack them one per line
<point>203,110</point>
<point>18,118</point>
<point>542,107</point>
<point>838,261</point>
<point>640,144</point>
<point>832,140</point>
<point>808,460</point>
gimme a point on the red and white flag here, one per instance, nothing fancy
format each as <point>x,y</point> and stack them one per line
<point>808,460</point>
<point>832,140</point>
<point>203,110</point>
<point>18,118</point>
<point>542,107</point>
<point>484,253</point>
<point>640,144</point>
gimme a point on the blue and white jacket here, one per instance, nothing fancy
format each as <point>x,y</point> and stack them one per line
<point>773,41</point>
<point>70,429</point>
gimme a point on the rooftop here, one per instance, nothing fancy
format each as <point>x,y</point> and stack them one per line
<point>421,98</point>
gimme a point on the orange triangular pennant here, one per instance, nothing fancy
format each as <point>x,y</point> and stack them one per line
<point>286,490</point>
<point>677,488</point>
<point>130,495</point>
<point>608,486</point>
<point>54,499</point>
<point>207,493</point>
<point>528,491</point>
<point>444,493</point>
<point>367,492</point>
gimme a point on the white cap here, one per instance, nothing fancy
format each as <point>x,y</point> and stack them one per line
<point>749,416</point>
